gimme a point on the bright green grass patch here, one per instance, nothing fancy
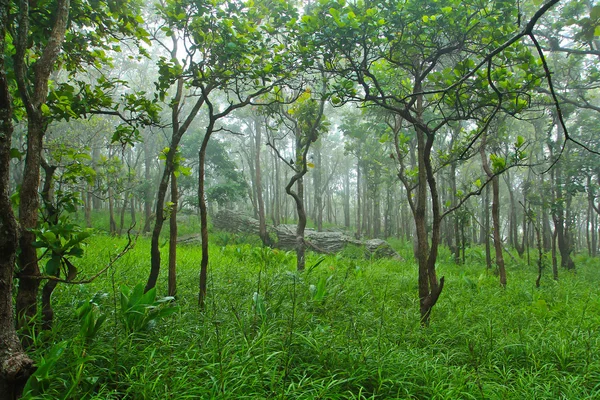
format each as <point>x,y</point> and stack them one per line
<point>347,329</point>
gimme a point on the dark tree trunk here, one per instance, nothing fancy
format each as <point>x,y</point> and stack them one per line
<point>486,225</point>
<point>347,199</point>
<point>513,224</point>
<point>15,365</point>
<point>376,203</point>
<point>358,203</point>
<point>172,280</point>
<point>51,215</point>
<point>318,195</point>
<point>111,211</point>
<point>455,248</point>
<point>264,236</point>
<point>147,189</point>
<point>88,207</point>
<point>495,212</point>
<point>277,195</point>
<point>122,213</point>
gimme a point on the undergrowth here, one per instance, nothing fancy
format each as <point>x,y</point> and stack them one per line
<point>347,328</point>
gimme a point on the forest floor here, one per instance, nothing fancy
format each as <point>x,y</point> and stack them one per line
<point>347,328</point>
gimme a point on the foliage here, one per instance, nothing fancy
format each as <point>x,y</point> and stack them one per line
<point>140,310</point>
<point>62,241</point>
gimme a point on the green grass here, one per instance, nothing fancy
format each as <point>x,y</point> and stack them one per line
<point>361,341</point>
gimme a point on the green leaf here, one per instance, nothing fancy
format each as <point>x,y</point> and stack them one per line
<point>520,141</point>
<point>15,153</point>
<point>45,109</point>
<point>53,265</point>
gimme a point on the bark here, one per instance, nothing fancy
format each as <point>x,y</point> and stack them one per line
<point>376,203</point>
<point>258,183</point>
<point>15,365</point>
<point>318,192</point>
<point>513,225</point>
<point>51,215</point>
<point>88,207</point>
<point>495,212</point>
<point>486,225</point>
<point>358,205</point>
<point>172,279</point>
<point>277,195</point>
<point>347,199</point>
<point>203,213</point>
<point>455,248</point>
<point>111,211</point>
<point>147,189</point>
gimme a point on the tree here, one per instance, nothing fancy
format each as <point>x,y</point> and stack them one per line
<point>427,64</point>
<point>15,365</point>
<point>305,120</point>
<point>39,45</point>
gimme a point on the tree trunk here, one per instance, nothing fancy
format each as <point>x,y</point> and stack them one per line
<point>347,199</point>
<point>318,195</point>
<point>147,189</point>
<point>495,212</point>
<point>264,237</point>
<point>15,365</point>
<point>358,204</point>
<point>172,285</point>
<point>51,215</point>
<point>455,248</point>
<point>376,203</point>
<point>27,293</point>
<point>88,207</point>
<point>111,211</point>
<point>513,225</point>
<point>429,286</point>
<point>202,285</point>
<point>486,226</point>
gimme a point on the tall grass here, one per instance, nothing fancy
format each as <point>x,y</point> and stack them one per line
<point>346,329</point>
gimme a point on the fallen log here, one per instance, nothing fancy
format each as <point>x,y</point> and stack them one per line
<point>284,236</point>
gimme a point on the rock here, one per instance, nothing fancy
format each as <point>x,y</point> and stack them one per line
<point>320,242</point>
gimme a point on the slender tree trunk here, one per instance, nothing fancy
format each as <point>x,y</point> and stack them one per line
<point>455,223</point>
<point>495,212</point>
<point>277,197</point>
<point>318,195</point>
<point>264,236</point>
<point>301,226</point>
<point>122,213</point>
<point>172,280</point>
<point>358,203</point>
<point>347,199</point>
<point>376,203</point>
<point>486,225</point>
<point>51,215</point>
<point>88,207</point>
<point>148,199</point>
<point>111,211</point>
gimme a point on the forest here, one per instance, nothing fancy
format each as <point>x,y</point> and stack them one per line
<point>319,199</point>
